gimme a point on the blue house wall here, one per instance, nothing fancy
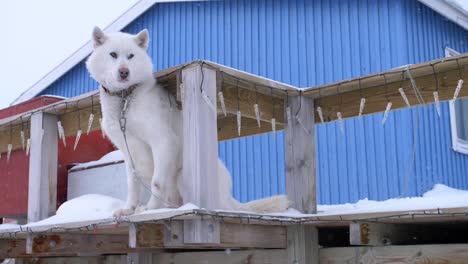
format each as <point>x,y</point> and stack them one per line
<point>307,43</point>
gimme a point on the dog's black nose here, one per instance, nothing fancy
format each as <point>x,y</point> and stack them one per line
<point>123,72</point>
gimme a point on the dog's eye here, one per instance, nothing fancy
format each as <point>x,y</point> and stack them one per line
<point>113,55</point>
<point>130,56</point>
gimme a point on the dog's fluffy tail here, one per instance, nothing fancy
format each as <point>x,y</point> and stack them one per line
<point>274,204</point>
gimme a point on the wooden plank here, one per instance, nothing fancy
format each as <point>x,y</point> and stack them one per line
<point>11,248</point>
<point>63,244</point>
<point>303,244</point>
<point>227,127</point>
<point>271,256</point>
<point>200,156</point>
<point>42,192</point>
<point>300,155</point>
<point>417,254</point>
<point>377,234</point>
<point>140,258</point>
<point>107,259</point>
<point>172,235</point>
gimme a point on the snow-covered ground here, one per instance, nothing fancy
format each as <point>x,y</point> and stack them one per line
<point>99,208</point>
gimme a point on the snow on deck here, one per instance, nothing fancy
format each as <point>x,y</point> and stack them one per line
<point>94,209</point>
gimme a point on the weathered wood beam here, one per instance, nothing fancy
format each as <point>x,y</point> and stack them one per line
<point>42,193</point>
<point>417,254</point>
<point>300,155</point>
<point>303,244</point>
<point>377,234</point>
<point>12,248</point>
<point>71,244</point>
<point>172,235</point>
<point>227,127</point>
<point>268,256</point>
<point>200,156</point>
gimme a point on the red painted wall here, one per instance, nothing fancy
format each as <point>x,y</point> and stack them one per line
<point>14,174</point>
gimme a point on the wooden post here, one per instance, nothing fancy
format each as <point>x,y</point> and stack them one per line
<point>300,155</point>
<point>200,156</point>
<point>300,177</point>
<point>42,193</point>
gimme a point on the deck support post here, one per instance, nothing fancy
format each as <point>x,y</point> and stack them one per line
<point>42,190</point>
<point>200,157</point>
<point>300,176</point>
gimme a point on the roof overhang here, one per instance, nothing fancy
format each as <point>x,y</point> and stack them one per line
<point>118,24</point>
<point>449,9</point>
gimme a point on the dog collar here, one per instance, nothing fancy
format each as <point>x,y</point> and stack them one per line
<point>122,93</point>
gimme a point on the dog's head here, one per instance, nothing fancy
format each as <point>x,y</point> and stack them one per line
<point>120,60</point>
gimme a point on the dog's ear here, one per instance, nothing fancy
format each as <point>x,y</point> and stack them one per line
<point>142,38</point>
<point>98,37</point>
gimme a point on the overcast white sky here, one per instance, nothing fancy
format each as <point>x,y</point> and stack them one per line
<point>38,35</point>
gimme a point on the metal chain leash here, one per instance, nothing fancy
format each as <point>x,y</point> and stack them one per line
<point>124,102</point>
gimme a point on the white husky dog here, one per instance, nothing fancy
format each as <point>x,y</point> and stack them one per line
<point>153,126</point>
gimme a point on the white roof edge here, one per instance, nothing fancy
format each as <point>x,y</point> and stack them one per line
<point>449,9</point>
<point>71,61</point>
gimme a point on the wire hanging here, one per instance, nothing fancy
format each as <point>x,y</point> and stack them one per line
<point>288,111</point>
<point>436,92</point>
<point>91,116</point>
<point>363,100</point>
<point>22,136</point>
<point>319,108</point>
<point>221,96</point>
<point>78,132</point>
<point>273,119</point>
<point>402,91</point>
<point>459,84</point>
<point>239,115</point>
<point>389,104</point>
<point>256,109</point>
<point>339,114</point>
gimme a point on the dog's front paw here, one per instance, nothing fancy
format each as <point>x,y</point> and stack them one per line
<point>124,212</point>
<point>140,209</point>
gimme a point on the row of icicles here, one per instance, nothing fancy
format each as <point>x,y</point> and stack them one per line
<point>389,105</point>
<point>26,143</point>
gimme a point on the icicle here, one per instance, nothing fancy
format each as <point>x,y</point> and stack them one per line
<point>437,102</point>
<point>257,114</point>
<point>457,90</point>
<point>90,123</point>
<point>387,110</point>
<point>320,113</point>
<point>239,124</point>
<point>221,101</point>
<point>273,125</point>
<point>28,146</point>
<point>288,116</point>
<point>208,101</point>
<point>22,139</point>
<point>403,95</point>
<point>340,121</point>
<point>10,147</point>
<point>102,130</point>
<point>361,106</point>
<point>61,133</point>
<point>77,139</point>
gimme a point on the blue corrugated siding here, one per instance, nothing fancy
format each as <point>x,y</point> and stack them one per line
<point>306,43</point>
